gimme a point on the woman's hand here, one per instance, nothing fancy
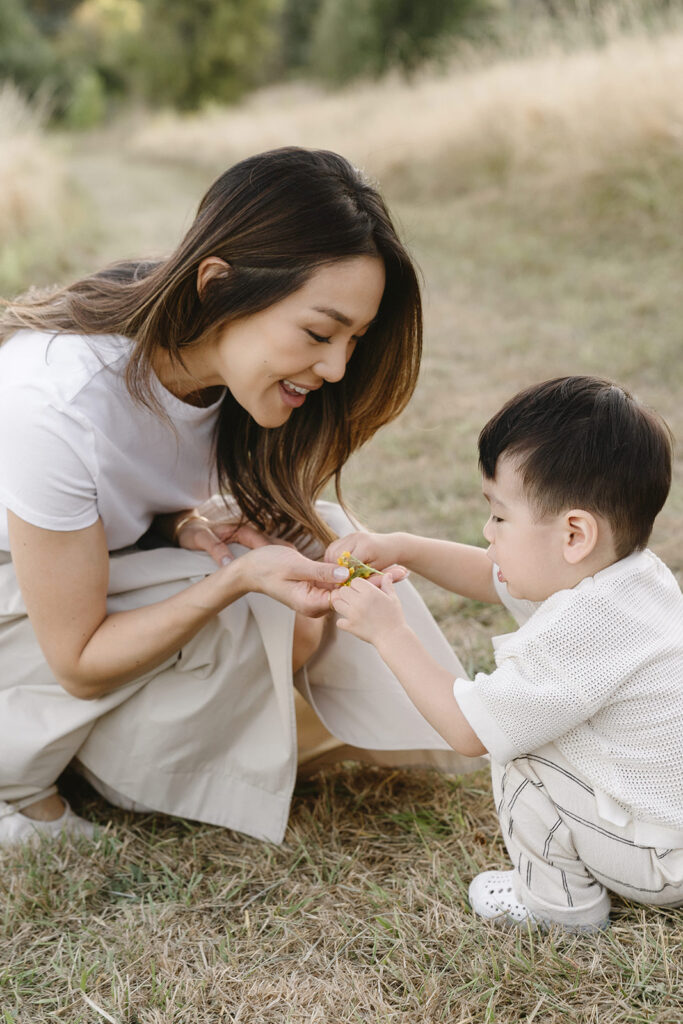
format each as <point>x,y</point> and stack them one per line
<point>282,572</point>
<point>370,612</point>
<point>380,550</point>
<point>202,534</point>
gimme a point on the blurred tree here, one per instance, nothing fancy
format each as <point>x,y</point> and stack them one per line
<point>26,56</point>
<point>296,29</point>
<point>42,52</point>
<point>206,50</point>
<point>81,54</point>
<point>367,37</point>
<point>102,39</point>
<point>87,101</point>
<point>50,15</point>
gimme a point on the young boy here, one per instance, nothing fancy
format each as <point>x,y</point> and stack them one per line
<point>583,716</point>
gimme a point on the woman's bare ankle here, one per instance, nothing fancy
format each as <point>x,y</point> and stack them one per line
<point>48,809</point>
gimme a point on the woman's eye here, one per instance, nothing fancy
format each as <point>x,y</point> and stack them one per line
<point>318,337</point>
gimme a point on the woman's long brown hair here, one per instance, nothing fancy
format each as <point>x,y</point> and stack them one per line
<point>275,218</point>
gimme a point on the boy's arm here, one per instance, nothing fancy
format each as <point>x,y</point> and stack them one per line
<point>430,687</point>
<point>375,614</point>
<point>461,568</point>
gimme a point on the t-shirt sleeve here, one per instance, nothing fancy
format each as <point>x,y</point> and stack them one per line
<point>47,461</point>
<point>554,674</point>
<point>512,714</point>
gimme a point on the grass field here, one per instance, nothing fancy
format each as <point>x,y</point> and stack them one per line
<point>543,199</point>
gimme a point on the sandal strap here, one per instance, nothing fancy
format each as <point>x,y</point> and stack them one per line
<point>18,805</point>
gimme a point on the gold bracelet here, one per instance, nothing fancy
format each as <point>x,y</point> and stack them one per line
<point>184,520</point>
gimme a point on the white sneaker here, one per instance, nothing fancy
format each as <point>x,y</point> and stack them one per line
<point>492,896</point>
<point>16,828</point>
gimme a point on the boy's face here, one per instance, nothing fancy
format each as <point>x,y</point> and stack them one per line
<point>528,551</point>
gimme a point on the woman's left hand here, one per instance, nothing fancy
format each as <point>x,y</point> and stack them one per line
<point>282,572</point>
<point>202,534</point>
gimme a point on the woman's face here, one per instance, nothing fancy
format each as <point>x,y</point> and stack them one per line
<point>272,360</point>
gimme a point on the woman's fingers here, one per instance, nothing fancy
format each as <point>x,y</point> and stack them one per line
<point>325,573</point>
<point>204,539</point>
<point>200,535</point>
<point>246,535</point>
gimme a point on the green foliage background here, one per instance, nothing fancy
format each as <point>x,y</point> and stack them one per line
<point>82,59</point>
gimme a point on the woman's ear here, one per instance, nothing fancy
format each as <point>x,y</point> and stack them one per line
<point>581,532</point>
<point>209,268</point>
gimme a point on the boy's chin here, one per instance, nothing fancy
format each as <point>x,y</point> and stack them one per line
<point>520,593</point>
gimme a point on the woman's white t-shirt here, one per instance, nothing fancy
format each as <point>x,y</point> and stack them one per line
<point>75,446</point>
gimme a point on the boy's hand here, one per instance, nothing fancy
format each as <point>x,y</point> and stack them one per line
<point>380,550</point>
<point>369,612</point>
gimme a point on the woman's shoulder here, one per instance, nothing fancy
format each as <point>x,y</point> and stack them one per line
<point>58,365</point>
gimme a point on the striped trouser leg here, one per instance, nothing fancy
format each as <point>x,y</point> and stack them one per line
<point>565,856</point>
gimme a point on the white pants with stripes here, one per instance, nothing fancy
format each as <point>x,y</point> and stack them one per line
<point>566,857</point>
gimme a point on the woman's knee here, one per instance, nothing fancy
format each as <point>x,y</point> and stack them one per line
<point>308,634</point>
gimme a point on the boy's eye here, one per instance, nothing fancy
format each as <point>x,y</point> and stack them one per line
<point>496,519</point>
<point>318,337</point>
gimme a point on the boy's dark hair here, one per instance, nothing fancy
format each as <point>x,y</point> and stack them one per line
<point>587,443</point>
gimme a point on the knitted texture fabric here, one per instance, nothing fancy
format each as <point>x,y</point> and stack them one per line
<point>597,670</point>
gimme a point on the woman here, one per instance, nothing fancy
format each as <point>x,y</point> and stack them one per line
<point>277,338</point>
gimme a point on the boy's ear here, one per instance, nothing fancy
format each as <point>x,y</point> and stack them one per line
<point>210,267</point>
<point>581,533</point>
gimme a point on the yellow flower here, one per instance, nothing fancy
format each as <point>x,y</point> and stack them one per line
<point>356,568</point>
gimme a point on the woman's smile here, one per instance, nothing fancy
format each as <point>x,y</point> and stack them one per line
<point>293,394</point>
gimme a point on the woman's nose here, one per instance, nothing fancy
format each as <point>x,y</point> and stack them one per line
<point>331,365</point>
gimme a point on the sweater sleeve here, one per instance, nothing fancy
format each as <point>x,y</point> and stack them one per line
<point>552,675</point>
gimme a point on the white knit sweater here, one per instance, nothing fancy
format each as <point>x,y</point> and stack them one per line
<point>598,671</point>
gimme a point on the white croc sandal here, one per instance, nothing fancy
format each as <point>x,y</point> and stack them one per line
<point>17,828</point>
<point>492,896</point>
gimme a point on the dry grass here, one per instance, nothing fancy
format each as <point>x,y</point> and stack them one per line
<point>561,116</point>
<point>552,265</point>
<point>31,176</point>
<point>40,218</point>
<point>361,916</point>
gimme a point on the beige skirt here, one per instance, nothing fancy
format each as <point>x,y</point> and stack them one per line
<point>217,731</point>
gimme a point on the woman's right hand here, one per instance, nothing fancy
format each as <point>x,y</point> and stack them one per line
<point>283,573</point>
